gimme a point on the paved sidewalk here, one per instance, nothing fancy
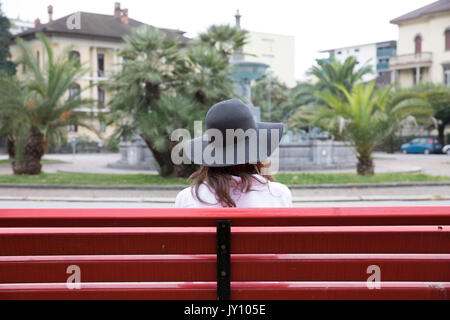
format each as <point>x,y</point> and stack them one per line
<point>299,195</point>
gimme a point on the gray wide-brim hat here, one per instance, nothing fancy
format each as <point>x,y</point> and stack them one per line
<point>233,137</point>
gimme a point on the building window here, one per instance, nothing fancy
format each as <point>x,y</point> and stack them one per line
<point>357,50</point>
<point>447,39</point>
<point>74,91</point>
<point>418,44</point>
<point>339,52</point>
<point>268,40</point>
<point>268,55</point>
<point>447,74</point>
<point>76,55</point>
<point>101,64</point>
<point>101,97</point>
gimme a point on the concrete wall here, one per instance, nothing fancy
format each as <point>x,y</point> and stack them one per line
<point>311,155</point>
<point>316,155</point>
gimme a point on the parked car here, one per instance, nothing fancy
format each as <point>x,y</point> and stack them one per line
<point>446,149</point>
<point>422,145</point>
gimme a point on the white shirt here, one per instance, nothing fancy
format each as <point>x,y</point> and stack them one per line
<point>271,194</point>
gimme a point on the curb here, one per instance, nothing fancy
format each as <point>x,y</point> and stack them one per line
<point>180,187</point>
<point>430,197</point>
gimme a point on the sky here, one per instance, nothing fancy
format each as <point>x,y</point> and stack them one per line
<point>315,24</point>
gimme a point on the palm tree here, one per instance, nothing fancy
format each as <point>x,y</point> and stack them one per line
<point>332,74</point>
<point>226,39</point>
<point>164,85</point>
<point>364,118</point>
<point>37,109</point>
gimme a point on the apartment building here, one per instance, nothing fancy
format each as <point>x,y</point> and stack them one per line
<point>276,50</point>
<point>96,40</point>
<point>376,55</point>
<point>423,49</point>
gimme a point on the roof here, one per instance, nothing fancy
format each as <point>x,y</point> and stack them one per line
<point>435,7</point>
<point>360,45</point>
<point>96,25</point>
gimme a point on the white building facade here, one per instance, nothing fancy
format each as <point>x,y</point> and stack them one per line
<point>376,55</point>
<point>278,51</point>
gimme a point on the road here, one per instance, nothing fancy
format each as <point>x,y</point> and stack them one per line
<point>434,164</point>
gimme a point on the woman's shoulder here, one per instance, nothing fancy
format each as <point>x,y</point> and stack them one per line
<point>277,190</point>
<point>184,198</point>
<point>279,186</point>
<point>274,185</point>
<point>187,198</point>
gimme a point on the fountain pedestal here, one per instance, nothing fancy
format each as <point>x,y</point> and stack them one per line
<point>244,72</point>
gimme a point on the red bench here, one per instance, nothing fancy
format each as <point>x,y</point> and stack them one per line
<point>292,253</point>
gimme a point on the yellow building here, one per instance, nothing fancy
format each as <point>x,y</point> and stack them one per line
<point>96,39</point>
<point>423,47</point>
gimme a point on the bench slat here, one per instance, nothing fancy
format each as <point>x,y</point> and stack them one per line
<point>265,267</point>
<point>201,240</point>
<point>239,290</point>
<point>170,217</point>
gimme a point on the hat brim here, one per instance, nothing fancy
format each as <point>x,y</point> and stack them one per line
<point>254,148</point>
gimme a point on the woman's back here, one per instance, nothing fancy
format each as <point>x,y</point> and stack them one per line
<point>263,193</point>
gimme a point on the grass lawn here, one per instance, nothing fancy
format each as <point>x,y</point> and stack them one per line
<point>151,179</point>
<point>8,161</point>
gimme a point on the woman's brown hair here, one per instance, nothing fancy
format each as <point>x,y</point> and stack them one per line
<point>219,180</point>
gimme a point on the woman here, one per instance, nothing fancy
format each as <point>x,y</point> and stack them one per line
<point>231,156</point>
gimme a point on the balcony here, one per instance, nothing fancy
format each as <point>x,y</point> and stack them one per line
<point>325,60</point>
<point>382,65</point>
<point>386,52</point>
<point>406,61</point>
<point>99,75</point>
<point>105,74</point>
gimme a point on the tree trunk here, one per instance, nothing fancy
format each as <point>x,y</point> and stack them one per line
<point>162,158</point>
<point>166,166</point>
<point>10,146</point>
<point>390,144</point>
<point>30,162</point>
<point>365,166</point>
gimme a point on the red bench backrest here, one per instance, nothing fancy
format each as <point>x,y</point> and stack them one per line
<point>289,253</point>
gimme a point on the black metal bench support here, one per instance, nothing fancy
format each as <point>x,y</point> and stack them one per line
<point>223,259</point>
